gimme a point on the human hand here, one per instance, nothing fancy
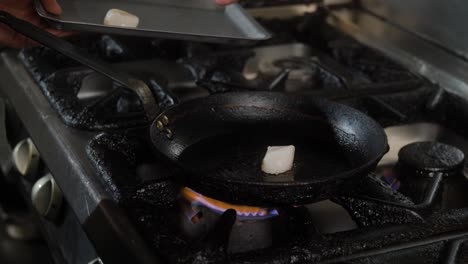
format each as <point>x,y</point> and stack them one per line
<point>225,2</point>
<point>24,9</point>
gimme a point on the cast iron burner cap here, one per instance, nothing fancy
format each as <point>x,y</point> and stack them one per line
<point>426,157</point>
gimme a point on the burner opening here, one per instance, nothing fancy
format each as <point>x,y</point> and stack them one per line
<point>196,218</point>
<point>389,176</point>
<point>255,228</point>
<point>243,212</point>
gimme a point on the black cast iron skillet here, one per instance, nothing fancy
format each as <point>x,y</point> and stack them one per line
<point>219,141</point>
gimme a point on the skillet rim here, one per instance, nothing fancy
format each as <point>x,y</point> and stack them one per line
<point>279,96</point>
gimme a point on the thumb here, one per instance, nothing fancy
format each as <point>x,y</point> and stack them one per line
<point>52,6</point>
<point>225,2</point>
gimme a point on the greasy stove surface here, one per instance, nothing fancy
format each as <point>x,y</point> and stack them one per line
<point>392,216</point>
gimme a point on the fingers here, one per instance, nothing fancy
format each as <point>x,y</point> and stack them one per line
<point>11,39</point>
<point>52,6</point>
<point>225,2</point>
<point>60,33</point>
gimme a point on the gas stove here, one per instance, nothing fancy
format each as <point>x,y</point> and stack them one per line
<point>121,203</point>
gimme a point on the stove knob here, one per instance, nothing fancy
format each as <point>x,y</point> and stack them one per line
<point>26,157</point>
<point>21,226</point>
<point>47,197</point>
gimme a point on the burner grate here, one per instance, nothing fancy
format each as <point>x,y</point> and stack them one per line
<point>150,198</point>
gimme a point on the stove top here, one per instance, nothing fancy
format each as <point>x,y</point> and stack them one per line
<point>412,209</point>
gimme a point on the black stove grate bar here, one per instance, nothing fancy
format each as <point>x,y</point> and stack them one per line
<point>455,237</point>
<point>381,226</point>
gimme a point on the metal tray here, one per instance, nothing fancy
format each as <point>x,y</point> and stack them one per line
<point>197,20</point>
